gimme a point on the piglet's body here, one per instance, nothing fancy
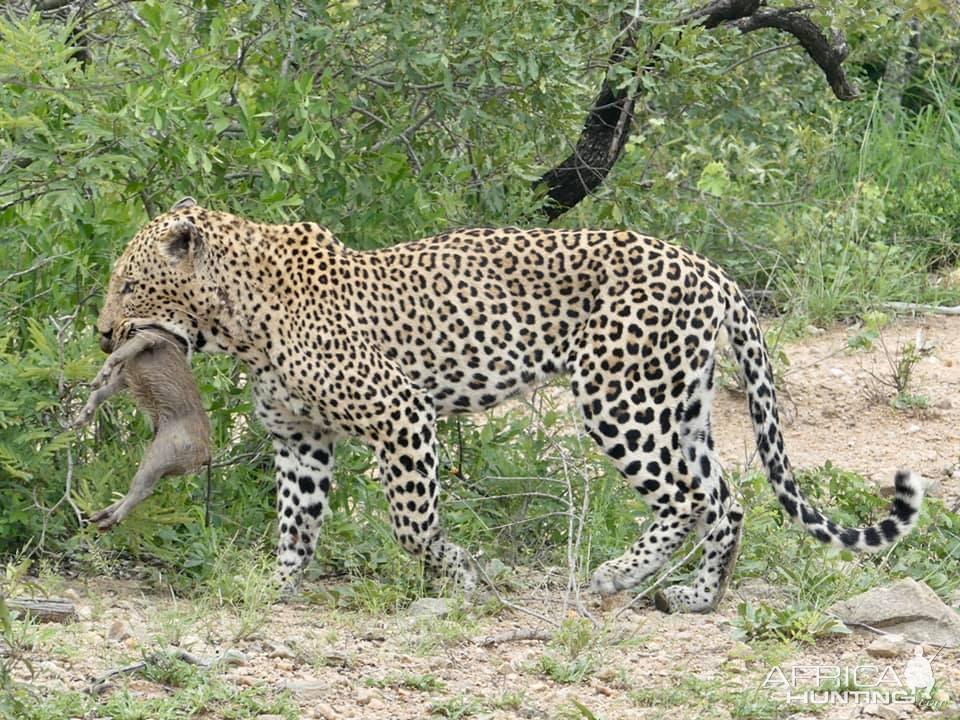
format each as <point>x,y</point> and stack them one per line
<point>153,366</point>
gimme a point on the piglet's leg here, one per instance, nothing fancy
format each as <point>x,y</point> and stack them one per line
<point>172,452</point>
<point>113,384</point>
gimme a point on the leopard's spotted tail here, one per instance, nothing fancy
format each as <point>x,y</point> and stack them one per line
<point>751,353</point>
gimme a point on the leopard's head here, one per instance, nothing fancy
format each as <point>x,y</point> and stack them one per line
<point>163,279</point>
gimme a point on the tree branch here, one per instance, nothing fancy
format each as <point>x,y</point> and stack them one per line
<point>607,126</point>
<point>601,141</point>
<point>828,54</point>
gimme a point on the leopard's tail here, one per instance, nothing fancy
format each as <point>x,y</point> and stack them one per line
<point>750,350</point>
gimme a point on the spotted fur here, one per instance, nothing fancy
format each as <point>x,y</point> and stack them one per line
<point>377,344</point>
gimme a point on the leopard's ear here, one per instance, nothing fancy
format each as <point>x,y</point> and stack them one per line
<point>182,241</point>
<point>187,202</point>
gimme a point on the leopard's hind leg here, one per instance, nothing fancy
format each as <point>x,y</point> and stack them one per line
<point>720,527</point>
<point>632,393</point>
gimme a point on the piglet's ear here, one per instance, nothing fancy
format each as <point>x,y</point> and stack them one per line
<point>182,241</point>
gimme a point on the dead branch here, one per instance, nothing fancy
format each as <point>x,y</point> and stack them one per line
<point>44,609</point>
<point>36,266</point>
<point>517,635</point>
<point>922,308</point>
<point>828,54</point>
<point>101,684</point>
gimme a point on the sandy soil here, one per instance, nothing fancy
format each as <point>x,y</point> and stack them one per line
<point>829,400</point>
<point>350,664</point>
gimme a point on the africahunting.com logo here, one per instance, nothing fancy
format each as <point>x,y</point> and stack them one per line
<point>859,684</point>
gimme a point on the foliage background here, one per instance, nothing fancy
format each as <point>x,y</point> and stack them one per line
<point>389,121</point>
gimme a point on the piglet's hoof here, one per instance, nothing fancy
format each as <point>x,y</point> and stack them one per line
<point>108,517</point>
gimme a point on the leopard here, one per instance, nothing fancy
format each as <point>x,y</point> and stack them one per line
<point>377,344</point>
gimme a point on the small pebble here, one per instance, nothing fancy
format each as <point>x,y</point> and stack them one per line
<point>279,650</point>
<point>118,631</point>
<point>234,657</point>
<point>327,712</point>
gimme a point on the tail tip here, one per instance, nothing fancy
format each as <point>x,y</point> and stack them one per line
<point>912,486</point>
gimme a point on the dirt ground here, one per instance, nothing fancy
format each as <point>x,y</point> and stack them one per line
<point>828,397</point>
<point>348,664</point>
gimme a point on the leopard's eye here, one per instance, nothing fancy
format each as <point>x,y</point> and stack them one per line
<point>127,287</point>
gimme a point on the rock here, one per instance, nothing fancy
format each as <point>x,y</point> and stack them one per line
<point>270,717</point>
<point>496,569</point>
<point>234,657</point>
<point>188,641</point>
<point>944,404</point>
<point>279,650</point>
<point>71,595</point>
<point>907,608</point>
<point>364,696</point>
<point>327,712</point>
<point>429,608</point>
<point>887,712</point>
<point>51,668</point>
<point>890,646</point>
<point>741,651</point>
<point>84,612</point>
<point>119,631</point>
<point>307,688</point>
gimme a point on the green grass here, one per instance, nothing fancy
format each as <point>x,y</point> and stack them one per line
<point>704,699</point>
<point>201,697</point>
<point>459,706</point>
<point>424,683</point>
<point>562,670</point>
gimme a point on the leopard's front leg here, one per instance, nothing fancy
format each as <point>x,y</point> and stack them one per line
<point>304,470</point>
<point>304,464</point>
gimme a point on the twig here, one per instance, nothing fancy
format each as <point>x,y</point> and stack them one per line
<point>878,631</point>
<point>513,606</point>
<point>36,266</point>
<point>922,308</point>
<point>517,635</point>
<point>759,54</point>
<point>100,684</point>
<point>206,506</point>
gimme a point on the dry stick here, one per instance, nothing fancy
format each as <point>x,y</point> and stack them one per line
<point>516,635</point>
<point>44,609</point>
<point>922,308</point>
<point>513,606</point>
<point>100,684</point>
<point>36,266</point>
<point>878,631</point>
<point>574,541</point>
